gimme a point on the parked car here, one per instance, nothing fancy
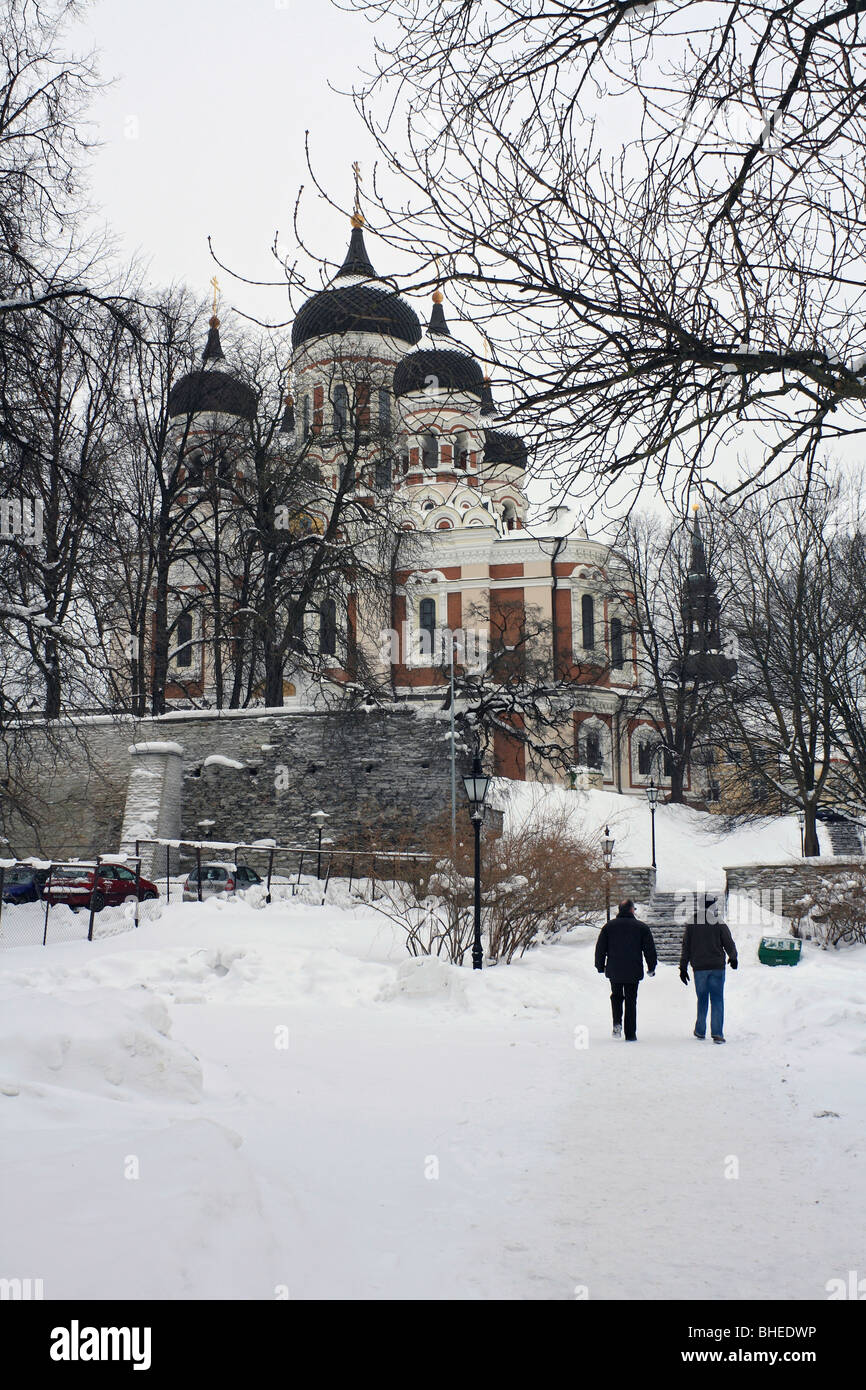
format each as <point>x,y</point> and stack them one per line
<point>115,884</point>
<point>219,878</point>
<point>23,884</point>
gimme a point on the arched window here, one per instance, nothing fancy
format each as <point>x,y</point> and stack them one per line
<point>384,412</point>
<point>645,757</point>
<point>328,628</point>
<point>305,417</point>
<point>183,641</point>
<point>461,449</point>
<point>427,616</point>
<point>587,616</point>
<point>341,409</point>
<point>383,473</point>
<point>429,451</point>
<point>592,752</point>
<point>509,515</point>
<point>617,656</point>
<point>297,632</point>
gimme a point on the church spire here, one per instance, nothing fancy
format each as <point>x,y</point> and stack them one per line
<point>213,351</point>
<point>357,261</point>
<point>437,322</point>
<point>701,611</point>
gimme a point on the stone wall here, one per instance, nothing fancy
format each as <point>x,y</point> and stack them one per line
<point>248,775</point>
<point>780,885</point>
<point>634,883</point>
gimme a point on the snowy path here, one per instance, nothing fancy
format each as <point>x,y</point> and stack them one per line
<point>426,1133</point>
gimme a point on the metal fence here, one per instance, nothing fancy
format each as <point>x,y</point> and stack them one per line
<point>288,865</point>
<point>285,870</point>
<point>104,911</point>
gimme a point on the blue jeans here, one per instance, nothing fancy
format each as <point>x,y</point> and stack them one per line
<point>710,988</point>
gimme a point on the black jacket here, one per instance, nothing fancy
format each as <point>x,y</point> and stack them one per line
<point>705,945</point>
<point>622,945</point>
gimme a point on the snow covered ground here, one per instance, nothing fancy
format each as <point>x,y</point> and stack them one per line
<point>234,1102</point>
<point>691,846</point>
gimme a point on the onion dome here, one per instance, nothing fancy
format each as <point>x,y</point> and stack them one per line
<point>500,447</point>
<point>452,369</point>
<point>210,388</point>
<point>353,307</point>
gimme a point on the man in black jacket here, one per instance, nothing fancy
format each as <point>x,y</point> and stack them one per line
<point>706,942</point>
<point>623,944</point>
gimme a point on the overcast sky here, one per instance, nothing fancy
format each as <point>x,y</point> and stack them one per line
<point>203,131</point>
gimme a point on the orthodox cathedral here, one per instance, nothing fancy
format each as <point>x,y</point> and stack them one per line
<point>478,566</point>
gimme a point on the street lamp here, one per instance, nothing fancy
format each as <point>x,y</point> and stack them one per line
<point>607,845</point>
<point>319,817</point>
<point>652,795</point>
<point>801,821</point>
<point>477,785</point>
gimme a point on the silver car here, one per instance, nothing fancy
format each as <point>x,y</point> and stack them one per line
<point>218,878</point>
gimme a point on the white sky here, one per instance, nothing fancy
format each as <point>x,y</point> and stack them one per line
<point>202,132</point>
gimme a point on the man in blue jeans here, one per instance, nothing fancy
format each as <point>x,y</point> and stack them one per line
<point>706,943</point>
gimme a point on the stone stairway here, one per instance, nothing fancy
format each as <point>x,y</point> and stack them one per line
<point>846,838</point>
<point>666,915</point>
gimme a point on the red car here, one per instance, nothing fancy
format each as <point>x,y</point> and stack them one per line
<point>115,884</point>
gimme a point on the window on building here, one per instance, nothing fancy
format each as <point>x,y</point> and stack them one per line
<point>305,417</point>
<point>617,655</point>
<point>587,617</point>
<point>427,616</point>
<point>183,641</point>
<point>297,632</point>
<point>362,404</point>
<point>592,749</point>
<point>384,412</point>
<point>645,757</point>
<point>328,628</point>
<point>668,763</point>
<point>383,473</point>
<point>341,409</point>
<point>461,450</point>
<point>429,451</point>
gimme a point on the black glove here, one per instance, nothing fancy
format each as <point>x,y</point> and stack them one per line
<point>684,975</point>
<point>651,974</point>
<point>733,964</point>
<point>600,969</point>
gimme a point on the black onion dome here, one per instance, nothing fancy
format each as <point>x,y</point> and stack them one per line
<point>209,389</point>
<point>455,371</point>
<point>356,309</point>
<point>500,447</point>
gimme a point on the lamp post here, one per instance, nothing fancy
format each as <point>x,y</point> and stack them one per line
<point>319,817</point>
<point>477,786</point>
<point>607,845</point>
<point>652,795</point>
<point>801,821</point>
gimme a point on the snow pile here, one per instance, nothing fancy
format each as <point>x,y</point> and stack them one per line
<point>116,1046</point>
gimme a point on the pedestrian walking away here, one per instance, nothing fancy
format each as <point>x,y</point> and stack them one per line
<point>624,943</point>
<point>707,941</point>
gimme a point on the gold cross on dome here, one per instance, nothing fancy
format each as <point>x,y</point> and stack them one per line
<point>216,284</point>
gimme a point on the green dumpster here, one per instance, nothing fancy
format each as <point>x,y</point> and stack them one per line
<point>779,950</point>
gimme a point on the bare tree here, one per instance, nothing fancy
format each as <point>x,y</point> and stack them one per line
<point>654,211</point>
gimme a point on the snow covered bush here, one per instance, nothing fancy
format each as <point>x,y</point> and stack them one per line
<point>834,912</point>
<point>538,879</point>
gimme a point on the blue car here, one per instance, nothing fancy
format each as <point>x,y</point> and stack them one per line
<point>23,884</point>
